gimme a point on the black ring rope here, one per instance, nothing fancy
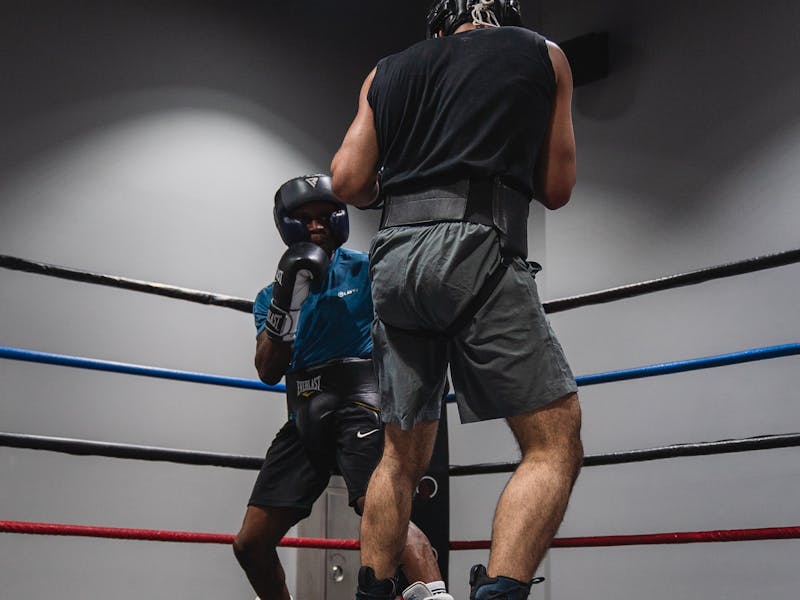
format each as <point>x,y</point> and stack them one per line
<point>673,281</point>
<point>191,457</point>
<point>763,442</point>
<point>113,450</point>
<point>626,291</point>
<point>159,289</point>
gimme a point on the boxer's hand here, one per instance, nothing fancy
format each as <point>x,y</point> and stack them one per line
<point>302,267</point>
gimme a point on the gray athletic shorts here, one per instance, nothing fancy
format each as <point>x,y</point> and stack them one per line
<point>505,362</point>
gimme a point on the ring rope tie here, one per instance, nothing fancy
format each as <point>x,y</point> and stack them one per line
<point>156,535</point>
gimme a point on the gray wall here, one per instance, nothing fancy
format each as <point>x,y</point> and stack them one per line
<point>146,141</point>
<point>688,158</point>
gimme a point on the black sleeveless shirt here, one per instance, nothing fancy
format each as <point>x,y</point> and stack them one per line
<point>473,104</point>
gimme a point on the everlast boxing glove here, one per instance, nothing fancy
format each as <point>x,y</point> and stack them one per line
<point>302,266</point>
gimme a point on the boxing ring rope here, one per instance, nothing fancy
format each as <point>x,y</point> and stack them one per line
<point>751,265</point>
<point>742,267</point>
<point>20,264</point>
<point>761,442</point>
<point>80,362</point>
<point>84,447</point>
<point>159,535</point>
<point>719,360</point>
<point>129,451</point>
<point>155,535</point>
<point>79,447</point>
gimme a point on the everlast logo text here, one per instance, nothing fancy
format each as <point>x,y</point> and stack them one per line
<point>309,385</point>
<point>275,320</point>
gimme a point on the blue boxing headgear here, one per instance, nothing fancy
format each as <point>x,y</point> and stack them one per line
<point>449,15</point>
<point>299,191</point>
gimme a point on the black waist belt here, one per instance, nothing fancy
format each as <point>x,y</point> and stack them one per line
<point>485,201</point>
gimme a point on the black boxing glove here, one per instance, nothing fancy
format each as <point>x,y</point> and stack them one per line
<point>301,269</point>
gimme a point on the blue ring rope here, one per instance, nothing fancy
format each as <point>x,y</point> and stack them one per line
<point>129,369</point>
<point>719,360</point>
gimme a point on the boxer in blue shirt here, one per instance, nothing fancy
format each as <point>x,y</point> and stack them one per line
<point>313,327</point>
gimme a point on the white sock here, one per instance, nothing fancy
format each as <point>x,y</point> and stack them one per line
<point>436,587</point>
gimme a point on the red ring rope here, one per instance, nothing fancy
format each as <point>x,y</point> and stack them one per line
<point>156,535</point>
<point>683,537</point>
<point>687,537</point>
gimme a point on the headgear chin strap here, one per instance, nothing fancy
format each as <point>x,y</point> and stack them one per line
<point>300,191</point>
<point>448,15</point>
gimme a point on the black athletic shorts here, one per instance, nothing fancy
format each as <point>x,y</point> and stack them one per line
<point>336,429</point>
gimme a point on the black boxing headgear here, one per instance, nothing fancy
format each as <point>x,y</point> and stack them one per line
<point>448,15</point>
<point>299,191</point>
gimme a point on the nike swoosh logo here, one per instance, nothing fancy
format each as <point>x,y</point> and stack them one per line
<point>360,435</point>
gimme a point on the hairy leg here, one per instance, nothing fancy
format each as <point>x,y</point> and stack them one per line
<point>417,561</point>
<point>533,502</point>
<point>254,547</point>
<point>387,510</point>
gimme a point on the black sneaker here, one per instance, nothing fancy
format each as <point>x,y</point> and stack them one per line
<point>483,587</point>
<point>370,588</point>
